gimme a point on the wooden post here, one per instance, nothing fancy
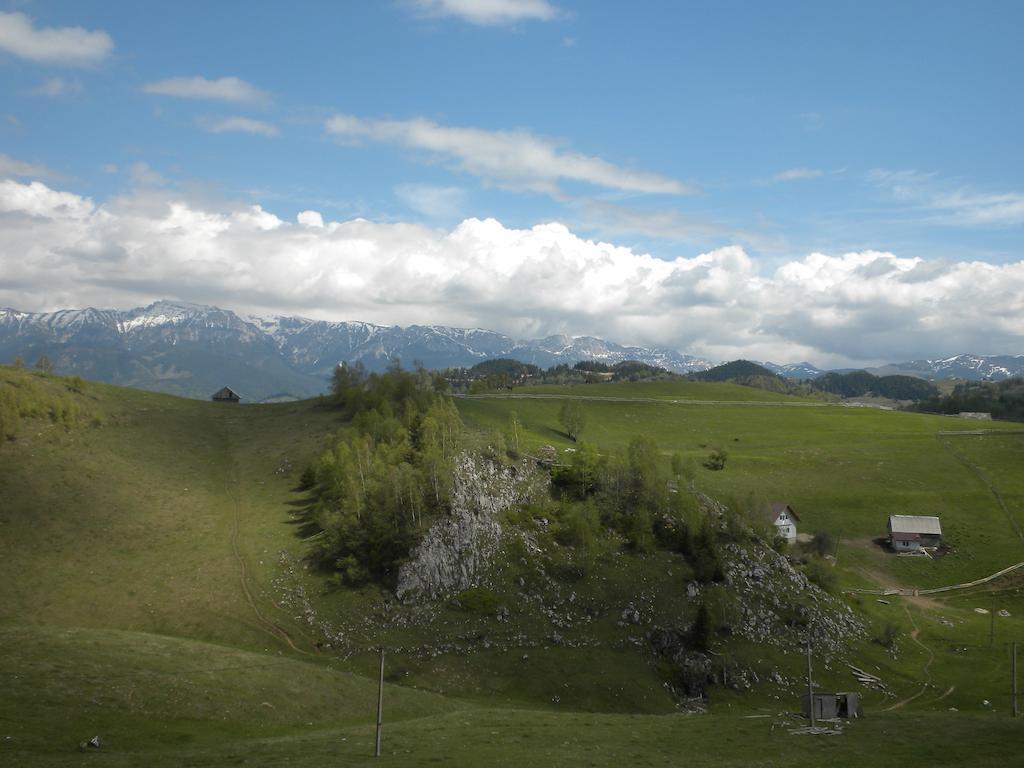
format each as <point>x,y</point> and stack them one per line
<point>992,625</point>
<point>1013,675</point>
<point>380,704</point>
<point>810,686</point>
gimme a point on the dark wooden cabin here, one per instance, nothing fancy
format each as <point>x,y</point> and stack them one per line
<point>226,395</point>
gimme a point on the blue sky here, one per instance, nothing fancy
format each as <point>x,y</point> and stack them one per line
<point>884,137</point>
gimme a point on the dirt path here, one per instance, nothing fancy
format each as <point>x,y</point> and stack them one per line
<point>927,665</point>
<point>887,584</point>
<point>272,628</point>
<point>947,693</point>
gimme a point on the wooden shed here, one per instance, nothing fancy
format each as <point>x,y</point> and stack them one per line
<point>828,706</point>
<point>226,395</point>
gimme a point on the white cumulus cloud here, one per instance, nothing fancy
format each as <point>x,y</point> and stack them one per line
<point>514,159</point>
<point>59,249</point>
<point>229,89</point>
<point>38,200</point>
<point>490,12</point>
<point>310,219</point>
<point>71,46</point>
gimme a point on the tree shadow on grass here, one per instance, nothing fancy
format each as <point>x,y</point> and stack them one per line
<point>300,516</point>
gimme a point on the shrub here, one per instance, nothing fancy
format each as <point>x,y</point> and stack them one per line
<point>819,572</point>
<point>716,460</point>
<point>889,636</point>
<point>44,365</point>
<point>700,632</point>
<point>821,544</point>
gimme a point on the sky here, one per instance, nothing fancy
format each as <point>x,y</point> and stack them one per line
<point>835,182</point>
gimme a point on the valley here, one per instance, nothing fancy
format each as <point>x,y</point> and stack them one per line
<point>154,590</point>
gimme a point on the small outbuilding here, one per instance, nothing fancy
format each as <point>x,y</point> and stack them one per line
<point>782,516</point>
<point>912,533</point>
<point>226,395</point>
<point>828,706</point>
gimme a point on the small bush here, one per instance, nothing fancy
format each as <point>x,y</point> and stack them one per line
<point>888,637</point>
<point>700,632</point>
<point>716,460</point>
<point>822,544</point>
<point>819,572</point>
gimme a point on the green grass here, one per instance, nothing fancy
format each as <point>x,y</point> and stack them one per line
<point>661,390</point>
<point>844,470</point>
<point>144,596</point>
<point>166,702</point>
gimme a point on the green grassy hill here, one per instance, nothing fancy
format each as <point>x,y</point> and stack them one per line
<point>844,470</point>
<point>152,591</point>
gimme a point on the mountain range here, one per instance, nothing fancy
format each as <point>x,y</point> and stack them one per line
<point>194,350</point>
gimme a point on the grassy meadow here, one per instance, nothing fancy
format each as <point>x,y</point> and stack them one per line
<point>149,565</point>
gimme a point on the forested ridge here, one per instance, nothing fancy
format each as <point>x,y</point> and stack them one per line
<point>1003,399</point>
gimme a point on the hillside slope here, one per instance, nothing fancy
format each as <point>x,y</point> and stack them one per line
<point>152,591</point>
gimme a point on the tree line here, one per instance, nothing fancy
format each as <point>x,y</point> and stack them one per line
<point>385,475</point>
<point>1003,399</point>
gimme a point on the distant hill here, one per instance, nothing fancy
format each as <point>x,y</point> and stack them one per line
<point>737,369</point>
<point>859,383</point>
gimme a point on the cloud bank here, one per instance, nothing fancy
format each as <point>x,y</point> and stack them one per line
<point>58,249</point>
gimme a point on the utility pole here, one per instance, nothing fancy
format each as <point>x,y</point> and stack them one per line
<point>810,685</point>
<point>380,704</point>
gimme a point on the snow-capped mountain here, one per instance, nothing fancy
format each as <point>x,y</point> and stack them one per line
<point>192,349</point>
<point>801,371</point>
<point>970,367</point>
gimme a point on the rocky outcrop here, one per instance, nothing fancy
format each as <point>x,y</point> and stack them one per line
<point>456,551</point>
<point>770,601</point>
<point>775,603</point>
